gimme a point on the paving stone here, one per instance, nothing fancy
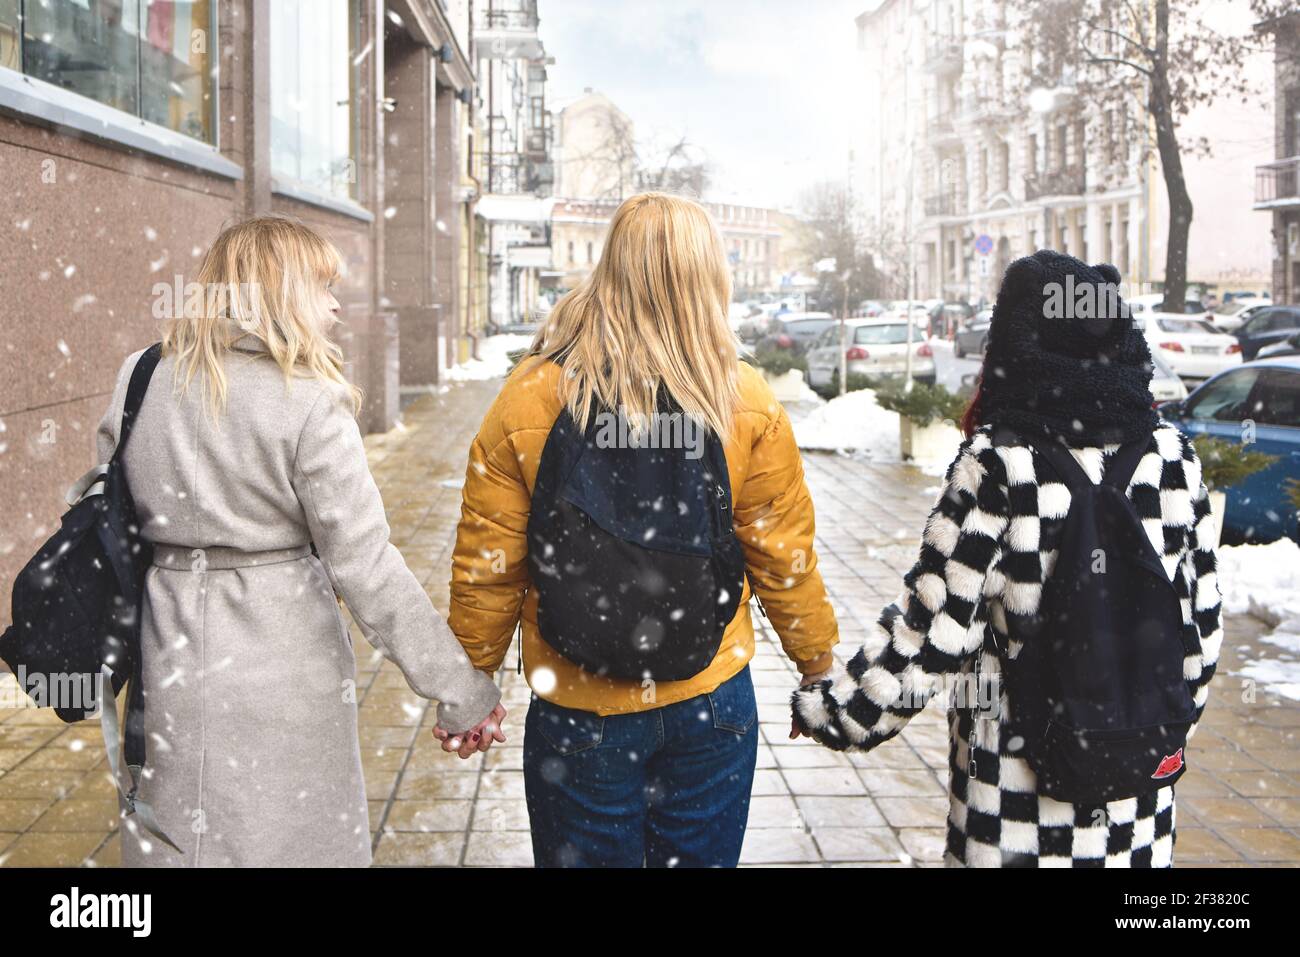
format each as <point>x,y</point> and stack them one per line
<point>824,781</point>
<point>840,812</point>
<point>63,849</point>
<point>858,843</point>
<point>890,782</point>
<point>419,850</point>
<point>428,816</point>
<point>914,811</point>
<point>778,845</point>
<point>499,849</point>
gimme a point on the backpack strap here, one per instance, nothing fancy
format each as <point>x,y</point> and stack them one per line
<point>1065,465</point>
<point>135,392</point>
<point>1120,469</point>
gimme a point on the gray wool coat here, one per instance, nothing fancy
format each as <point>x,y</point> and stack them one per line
<point>254,758</point>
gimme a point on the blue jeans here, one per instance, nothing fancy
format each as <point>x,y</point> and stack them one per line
<point>662,788</point>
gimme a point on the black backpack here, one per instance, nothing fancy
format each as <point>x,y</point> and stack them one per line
<point>1097,691</point>
<point>632,550</point>
<point>75,637</point>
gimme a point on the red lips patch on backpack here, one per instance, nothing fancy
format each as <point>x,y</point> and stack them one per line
<point>1170,765</point>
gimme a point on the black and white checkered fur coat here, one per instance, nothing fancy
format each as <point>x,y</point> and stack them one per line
<point>988,547</point>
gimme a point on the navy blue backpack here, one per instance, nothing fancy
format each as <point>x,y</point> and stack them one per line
<point>632,551</point>
<point>1097,691</point>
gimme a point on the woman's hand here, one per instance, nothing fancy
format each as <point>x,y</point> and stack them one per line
<point>476,739</point>
<point>797,730</point>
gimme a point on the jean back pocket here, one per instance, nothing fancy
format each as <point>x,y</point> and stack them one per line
<point>733,704</point>
<point>567,730</point>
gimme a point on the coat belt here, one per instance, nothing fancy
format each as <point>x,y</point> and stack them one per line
<point>222,557</point>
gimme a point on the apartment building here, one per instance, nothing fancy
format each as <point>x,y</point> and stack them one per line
<point>512,161</point>
<point>1277,183</point>
<point>994,173</point>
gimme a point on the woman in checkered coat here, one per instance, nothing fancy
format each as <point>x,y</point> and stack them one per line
<point>987,550</point>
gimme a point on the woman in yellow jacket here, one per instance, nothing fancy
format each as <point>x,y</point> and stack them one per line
<point>620,771</point>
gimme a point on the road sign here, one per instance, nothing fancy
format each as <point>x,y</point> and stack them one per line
<point>984,267</point>
<point>984,244</point>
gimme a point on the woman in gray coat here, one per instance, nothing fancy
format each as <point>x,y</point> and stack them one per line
<point>246,454</point>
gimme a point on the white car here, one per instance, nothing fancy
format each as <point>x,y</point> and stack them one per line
<point>1165,384</point>
<point>873,347</point>
<point>1191,346</point>
<point>1234,315</point>
<point>1151,302</point>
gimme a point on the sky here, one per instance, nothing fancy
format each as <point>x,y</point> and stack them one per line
<point>763,87</point>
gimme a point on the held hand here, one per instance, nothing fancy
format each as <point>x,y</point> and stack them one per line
<point>476,739</point>
<point>797,730</point>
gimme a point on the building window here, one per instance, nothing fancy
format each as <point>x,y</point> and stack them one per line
<point>313,89</point>
<point>571,259</point>
<point>152,59</point>
<point>591,253</point>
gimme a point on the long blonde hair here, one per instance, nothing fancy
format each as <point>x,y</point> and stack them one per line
<point>264,277</point>
<point>652,314</point>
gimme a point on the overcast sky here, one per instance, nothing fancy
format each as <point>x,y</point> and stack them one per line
<point>764,87</point>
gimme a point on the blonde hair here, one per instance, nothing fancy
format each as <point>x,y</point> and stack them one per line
<point>652,313</point>
<point>263,277</point>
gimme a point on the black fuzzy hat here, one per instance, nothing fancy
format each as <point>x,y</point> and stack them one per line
<point>1064,357</point>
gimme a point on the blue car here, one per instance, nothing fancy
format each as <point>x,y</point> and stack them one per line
<point>1267,393</point>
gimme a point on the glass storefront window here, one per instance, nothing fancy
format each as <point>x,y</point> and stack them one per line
<point>10,48</point>
<point>176,78</point>
<point>313,84</point>
<point>150,58</point>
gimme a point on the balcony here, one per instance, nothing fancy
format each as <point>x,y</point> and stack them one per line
<point>509,33</point>
<point>1067,181</point>
<point>940,131</point>
<point>945,204</point>
<point>943,56</point>
<point>512,174</point>
<point>1278,184</point>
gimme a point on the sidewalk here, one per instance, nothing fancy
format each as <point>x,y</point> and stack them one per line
<point>1240,805</point>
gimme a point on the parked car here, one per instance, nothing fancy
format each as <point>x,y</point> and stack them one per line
<point>1153,301</point>
<point>1287,347</point>
<point>949,315</point>
<point>1267,392</point>
<point>875,347</point>
<point>973,335</point>
<point>756,328</point>
<point>1266,327</point>
<point>1190,345</point>
<point>804,328</point>
<point>1231,316</point>
<point>1166,384</point>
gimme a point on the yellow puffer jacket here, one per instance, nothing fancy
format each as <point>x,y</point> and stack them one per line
<point>773,518</point>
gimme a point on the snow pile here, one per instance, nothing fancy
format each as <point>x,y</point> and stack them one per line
<point>851,422</point>
<point>791,387</point>
<point>492,363</point>
<point>1264,581</point>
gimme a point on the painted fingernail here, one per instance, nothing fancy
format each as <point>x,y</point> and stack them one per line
<point>474,737</point>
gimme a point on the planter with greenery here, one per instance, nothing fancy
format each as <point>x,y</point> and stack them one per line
<point>783,370</point>
<point>1223,465</point>
<point>927,417</point>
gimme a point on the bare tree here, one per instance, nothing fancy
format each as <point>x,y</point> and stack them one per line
<point>610,160</point>
<point>1141,57</point>
<point>620,164</point>
<point>832,230</point>
<point>680,168</point>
